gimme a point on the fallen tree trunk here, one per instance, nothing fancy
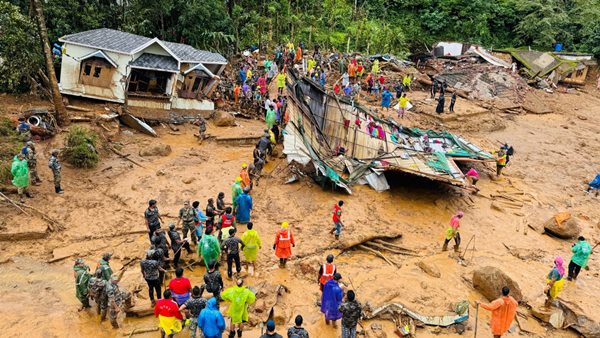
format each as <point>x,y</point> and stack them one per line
<point>395,246</point>
<point>378,254</point>
<point>396,308</point>
<point>140,331</point>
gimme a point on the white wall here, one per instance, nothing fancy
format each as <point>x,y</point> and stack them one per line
<point>70,69</point>
<point>180,103</point>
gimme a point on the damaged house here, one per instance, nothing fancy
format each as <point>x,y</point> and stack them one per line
<point>568,68</point>
<point>120,67</point>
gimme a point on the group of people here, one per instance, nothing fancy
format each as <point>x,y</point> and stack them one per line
<point>442,86</point>
<point>24,166</point>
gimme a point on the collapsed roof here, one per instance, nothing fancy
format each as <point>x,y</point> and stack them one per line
<point>349,145</point>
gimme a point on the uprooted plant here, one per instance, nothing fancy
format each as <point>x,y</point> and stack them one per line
<point>80,149</point>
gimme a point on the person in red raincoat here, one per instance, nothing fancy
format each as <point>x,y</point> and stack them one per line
<point>262,83</point>
<point>284,241</point>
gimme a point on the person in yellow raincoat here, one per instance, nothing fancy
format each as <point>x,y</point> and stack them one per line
<point>252,243</point>
<point>555,280</point>
<point>375,67</point>
<point>240,298</point>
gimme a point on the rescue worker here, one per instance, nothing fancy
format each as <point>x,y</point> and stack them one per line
<point>452,102</point>
<point>281,81</point>
<point>236,190</point>
<point>202,127</point>
<point>337,219</point>
<point>20,174</point>
<point>213,282</point>
<point>221,203</point>
<point>192,309</point>
<point>226,221</point>
<point>104,266</point>
<point>240,298</point>
<point>232,248</point>
<point>351,312</point>
<point>151,269</point>
<point>244,207</point>
<point>503,312</point>
<point>252,243</point>
<point>284,241</point>
<point>452,231</point>
<point>211,321</point>
<point>581,253</point>
<point>209,247</point>
<point>187,216</point>
<point>152,217</point>
<point>31,157</point>
<point>555,280</point>
<point>114,299</point>
<point>169,317</point>
<point>245,183</point>
<point>82,279</point>
<point>331,299</point>
<point>180,287</point>
<point>500,161</point>
<point>54,165</point>
<point>326,272</point>
<point>297,331</point>
<point>177,244</point>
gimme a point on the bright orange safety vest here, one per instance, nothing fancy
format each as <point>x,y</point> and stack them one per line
<point>327,275</point>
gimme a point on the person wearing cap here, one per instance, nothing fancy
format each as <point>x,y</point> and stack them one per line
<point>236,190</point>
<point>231,245</point>
<point>332,299</point>
<point>246,183</point>
<point>54,165</point>
<point>152,217</point>
<point>271,331</point>
<point>581,253</point>
<point>113,299</point>
<point>31,157</point>
<point>326,272</point>
<point>20,173</point>
<point>187,216</point>
<point>284,241</point>
<point>151,269</point>
<point>243,206</point>
<point>452,231</point>
<point>192,308</point>
<point>240,298</point>
<point>503,312</point>
<point>351,312</point>
<point>168,314</point>
<point>252,243</point>
<point>177,244</point>
<point>209,247</point>
<point>103,267</point>
<point>211,321</point>
<point>297,331</point>
<point>82,279</point>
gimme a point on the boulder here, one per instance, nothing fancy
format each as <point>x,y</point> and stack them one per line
<point>489,281</point>
<point>563,226</point>
<point>188,180</point>
<point>430,269</point>
<point>223,119</point>
<point>157,149</point>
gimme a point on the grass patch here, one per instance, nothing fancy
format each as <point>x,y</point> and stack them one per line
<point>10,145</point>
<point>80,149</point>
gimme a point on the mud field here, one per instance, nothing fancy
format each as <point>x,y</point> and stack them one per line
<point>556,155</point>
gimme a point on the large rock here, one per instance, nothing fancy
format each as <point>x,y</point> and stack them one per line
<point>489,281</point>
<point>158,149</point>
<point>563,225</point>
<point>430,269</point>
<point>223,119</point>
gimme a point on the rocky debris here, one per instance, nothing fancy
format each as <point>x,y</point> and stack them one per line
<point>223,119</point>
<point>430,269</point>
<point>188,180</point>
<point>562,225</point>
<point>567,315</point>
<point>489,281</point>
<point>157,149</point>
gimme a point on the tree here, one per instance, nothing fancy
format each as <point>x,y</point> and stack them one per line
<point>20,52</point>
<point>59,107</point>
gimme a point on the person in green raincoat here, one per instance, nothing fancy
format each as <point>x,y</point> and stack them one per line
<point>209,247</point>
<point>270,118</point>
<point>375,67</point>
<point>82,280</point>
<point>240,298</point>
<point>236,190</point>
<point>252,243</point>
<point>20,172</point>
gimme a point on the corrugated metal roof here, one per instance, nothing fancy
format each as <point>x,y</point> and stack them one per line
<point>158,62</point>
<point>123,42</point>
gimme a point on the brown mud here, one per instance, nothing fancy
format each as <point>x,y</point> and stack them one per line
<point>556,154</point>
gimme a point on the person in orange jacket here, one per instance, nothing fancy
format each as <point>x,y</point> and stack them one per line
<point>284,241</point>
<point>245,177</point>
<point>326,272</point>
<point>503,312</point>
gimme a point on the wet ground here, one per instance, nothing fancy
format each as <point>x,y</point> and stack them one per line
<point>555,155</point>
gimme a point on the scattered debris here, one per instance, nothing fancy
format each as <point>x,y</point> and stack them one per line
<point>137,124</point>
<point>396,308</point>
<point>156,149</point>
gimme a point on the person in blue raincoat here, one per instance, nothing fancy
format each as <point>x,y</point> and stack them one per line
<point>332,299</point>
<point>244,206</point>
<point>386,99</point>
<point>211,321</point>
<point>594,184</point>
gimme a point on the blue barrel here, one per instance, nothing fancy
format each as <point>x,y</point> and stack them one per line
<point>558,47</point>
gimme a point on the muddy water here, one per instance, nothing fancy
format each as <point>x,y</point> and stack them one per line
<point>100,205</point>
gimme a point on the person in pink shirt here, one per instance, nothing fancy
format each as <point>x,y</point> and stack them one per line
<point>452,231</point>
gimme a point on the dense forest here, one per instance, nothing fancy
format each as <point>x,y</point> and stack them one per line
<point>369,26</point>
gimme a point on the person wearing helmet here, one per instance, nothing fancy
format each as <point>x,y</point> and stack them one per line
<point>246,183</point>
<point>54,164</point>
<point>284,241</point>
<point>326,272</point>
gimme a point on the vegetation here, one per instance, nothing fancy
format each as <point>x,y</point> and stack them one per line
<point>80,149</point>
<point>10,145</point>
<point>368,26</point>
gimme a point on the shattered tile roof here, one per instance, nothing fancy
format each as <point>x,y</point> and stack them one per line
<point>158,62</point>
<point>123,42</point>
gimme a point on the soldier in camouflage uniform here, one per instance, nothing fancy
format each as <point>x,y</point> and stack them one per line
<point>201,128</point>
<point>114,300</point>
<point>30,156</point>
<point>187,215</point>
<point>82,280</point>
<point>351,312</point>
<point>54,164</point>
<point>104,267</point>
<point>192,308</point>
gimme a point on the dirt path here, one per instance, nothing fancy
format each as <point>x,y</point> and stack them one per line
<point>555,155</point>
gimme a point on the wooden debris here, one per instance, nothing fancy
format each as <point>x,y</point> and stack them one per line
<point>139,331</point>
<point>14,204</point>
<point>79,119</point>
<point>104,127</point>
<point>77,108</point>
<point>52,223</point>
<point>124,156</point>
<point>377,253</point>
<point>395,246</point>
<point>380,246</point>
